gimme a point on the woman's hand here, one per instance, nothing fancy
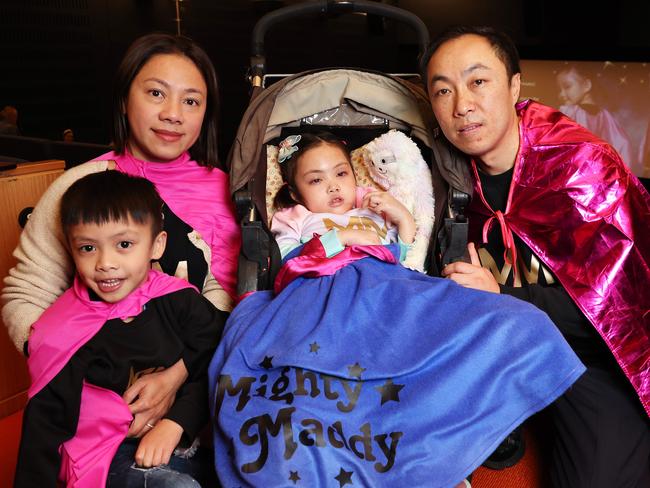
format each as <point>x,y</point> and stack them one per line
<point>386,205</point>
<point>158,444</point>
<point>359,237</point>
<point>151,396</point>
<point>471,275</point>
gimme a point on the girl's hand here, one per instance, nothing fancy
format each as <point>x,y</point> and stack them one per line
<point>351,237</point>
<point>152,396</point>
<point>386,205</point>
<point>158,444</point>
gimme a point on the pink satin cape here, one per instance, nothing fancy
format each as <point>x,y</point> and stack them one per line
<point>200,197</point>
<point>313,262</point>
<point>578,207</point>
<point>104,418</point>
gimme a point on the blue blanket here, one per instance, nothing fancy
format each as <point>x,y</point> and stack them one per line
<point>377,376</point>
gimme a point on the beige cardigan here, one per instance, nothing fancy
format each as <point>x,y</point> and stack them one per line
<point>44,268</point>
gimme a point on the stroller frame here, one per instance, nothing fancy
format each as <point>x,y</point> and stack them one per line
<point>259,258</point>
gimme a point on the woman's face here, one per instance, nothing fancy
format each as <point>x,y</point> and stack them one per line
<point>165,108</point>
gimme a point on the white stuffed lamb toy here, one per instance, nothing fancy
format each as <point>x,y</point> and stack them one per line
<point>395,163</point>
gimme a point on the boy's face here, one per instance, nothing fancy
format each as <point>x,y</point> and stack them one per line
<point>325,181</point>
<point>113,258</point>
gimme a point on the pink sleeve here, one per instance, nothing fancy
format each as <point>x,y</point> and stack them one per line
<point>287,225</point>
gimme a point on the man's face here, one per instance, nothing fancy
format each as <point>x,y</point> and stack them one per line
<point>473,101</point>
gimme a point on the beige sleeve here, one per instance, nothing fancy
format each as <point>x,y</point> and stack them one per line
<point>212,289</point>
<point>44,269</point>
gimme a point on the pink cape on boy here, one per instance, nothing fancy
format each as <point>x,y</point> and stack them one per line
<point>104,418</point>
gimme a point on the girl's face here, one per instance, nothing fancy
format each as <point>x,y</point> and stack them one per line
<point>165,108</point>
<point>325,181</point>
<point>573,87</point>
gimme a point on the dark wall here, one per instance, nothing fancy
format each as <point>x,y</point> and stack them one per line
<point>58,56</point>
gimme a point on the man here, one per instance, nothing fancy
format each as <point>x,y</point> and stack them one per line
<point>562,223</point>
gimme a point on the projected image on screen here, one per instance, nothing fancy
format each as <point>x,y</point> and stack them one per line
<point>612,100</point>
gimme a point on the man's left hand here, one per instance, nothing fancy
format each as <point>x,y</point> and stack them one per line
<point>472,274</point>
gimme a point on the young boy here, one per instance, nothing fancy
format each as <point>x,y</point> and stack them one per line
<point>120,320</point>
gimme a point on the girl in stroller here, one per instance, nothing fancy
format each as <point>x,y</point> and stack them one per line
<point>320,196</point>
<point>359,370</point>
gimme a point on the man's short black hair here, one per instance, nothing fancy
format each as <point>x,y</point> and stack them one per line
<point>111,196</point>
<point>503,47</point>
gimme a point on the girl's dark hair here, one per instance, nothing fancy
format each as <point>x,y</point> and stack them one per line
<point>111,196</point>
<point>503,47</point>
<point>283,198</point>
<point>204,150</point>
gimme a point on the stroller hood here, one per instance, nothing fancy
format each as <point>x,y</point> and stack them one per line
<point>402,103</point>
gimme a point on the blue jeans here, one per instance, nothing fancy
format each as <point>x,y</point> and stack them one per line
<point>195,472</point>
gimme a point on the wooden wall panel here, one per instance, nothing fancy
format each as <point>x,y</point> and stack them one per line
<point>19,188</point>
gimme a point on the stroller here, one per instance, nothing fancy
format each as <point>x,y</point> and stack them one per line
<point>312,365</point>
<point>358,105</point>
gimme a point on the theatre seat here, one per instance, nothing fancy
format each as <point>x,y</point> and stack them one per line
<point>527,473</point>
<point>10,435</point>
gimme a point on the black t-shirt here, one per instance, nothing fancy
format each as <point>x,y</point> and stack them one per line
<point>181,253</point>
<point>182,324</point>
<point>535,282</point>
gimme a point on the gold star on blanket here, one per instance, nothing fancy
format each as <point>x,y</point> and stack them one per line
<point>389,391</point>
<point>267,362</point>
<point>344,477</point>
<point>294,476</point>
<point>355,370</point>
<point>314,347</point>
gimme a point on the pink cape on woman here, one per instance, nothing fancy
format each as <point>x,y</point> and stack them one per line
<point>200,197</point>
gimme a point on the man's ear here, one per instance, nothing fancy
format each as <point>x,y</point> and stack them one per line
<point>159,243</point>
<point>515,87</point>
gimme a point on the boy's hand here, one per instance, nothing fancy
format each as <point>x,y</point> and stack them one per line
<point>157,445</point>
<point>358,237</point>
<point>386,205</point>
<point>152,396</point>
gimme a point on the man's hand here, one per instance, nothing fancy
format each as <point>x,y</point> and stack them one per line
<point>471,275</point>
<point>158,444</point>
<point>151,396</point>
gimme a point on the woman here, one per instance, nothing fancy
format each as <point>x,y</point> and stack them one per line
<point>165,102</point>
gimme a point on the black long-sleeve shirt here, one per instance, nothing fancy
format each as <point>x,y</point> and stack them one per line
<point>180,325</point>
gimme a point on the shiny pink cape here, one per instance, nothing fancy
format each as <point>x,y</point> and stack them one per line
<point>313,262</point>
<point>200,197</point>
<point>582,212</point>
<point>104,418</point>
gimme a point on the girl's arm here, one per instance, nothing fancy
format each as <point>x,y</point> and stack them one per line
<point>44,269</point>
<point>393,211</point>
<point>286,228</point>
